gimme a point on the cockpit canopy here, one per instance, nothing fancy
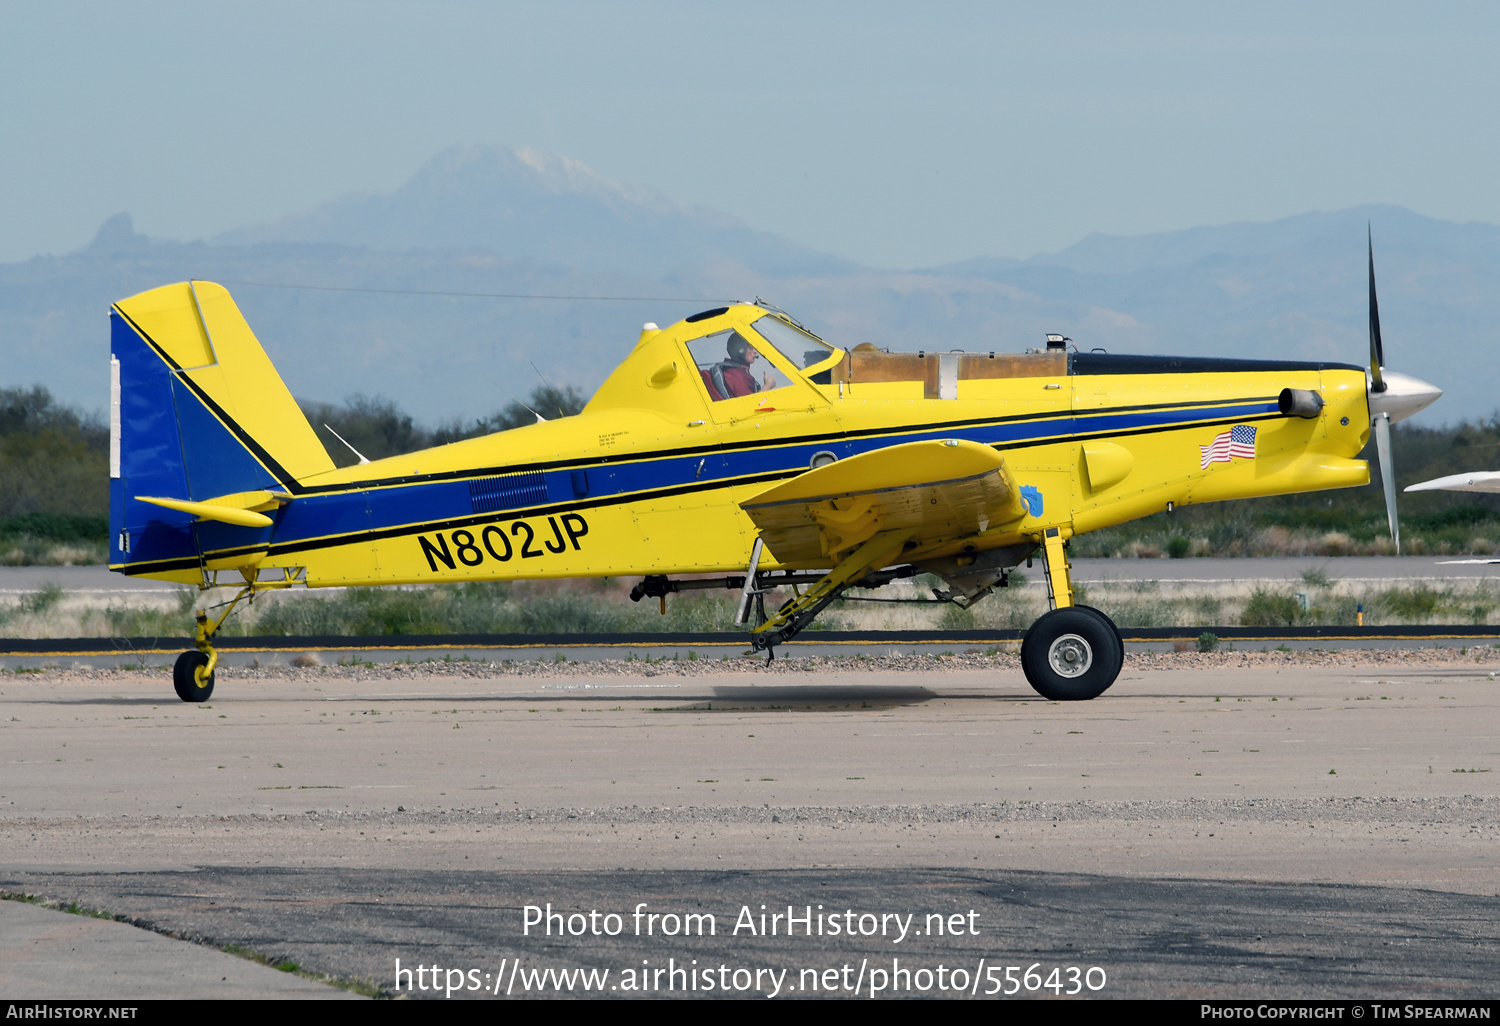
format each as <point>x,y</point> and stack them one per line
<point>733,363</point>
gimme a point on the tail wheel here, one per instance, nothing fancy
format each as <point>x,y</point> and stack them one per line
<point>184,678</point>
<point>1072,654</point>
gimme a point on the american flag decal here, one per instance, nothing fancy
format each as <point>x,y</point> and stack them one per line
<point>1236,443</point>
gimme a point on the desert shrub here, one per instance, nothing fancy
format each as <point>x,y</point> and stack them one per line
<point>1206,610</point>
<point>1140,612</point>
<point>34,603</point>
<point>53,459</point>
<point>1414,604</point>
<point>63,527</point>
<point>1267,608</point>
<point>1463,515</point>
<point>489,608</point>
<point>956,618</point>
<point>149,622</point>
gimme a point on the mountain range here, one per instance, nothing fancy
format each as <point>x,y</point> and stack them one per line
<point>333,292</point>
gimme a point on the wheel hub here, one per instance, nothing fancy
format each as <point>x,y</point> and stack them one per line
<point>1070,656</point>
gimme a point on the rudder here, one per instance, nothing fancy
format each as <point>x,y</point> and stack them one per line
<point>197,411</point>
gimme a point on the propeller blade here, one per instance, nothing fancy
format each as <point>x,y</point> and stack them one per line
<point>1377,351</point>
<point>1387,474</point>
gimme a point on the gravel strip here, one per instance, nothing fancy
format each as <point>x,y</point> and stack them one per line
<point>1470,810</point>
<point>968,661</point>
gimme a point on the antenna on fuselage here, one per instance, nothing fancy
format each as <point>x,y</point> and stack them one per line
<point>539,418</point>
<point>351,448</point>
<point>516,399</point>
<point>554,391</point>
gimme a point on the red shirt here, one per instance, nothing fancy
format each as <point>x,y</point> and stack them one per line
<point>736,378</point>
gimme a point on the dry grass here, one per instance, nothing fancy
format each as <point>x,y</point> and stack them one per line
<point>601,607</point>
<point>27,550</point>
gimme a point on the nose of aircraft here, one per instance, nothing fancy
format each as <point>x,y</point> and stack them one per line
<point>1404,395</point>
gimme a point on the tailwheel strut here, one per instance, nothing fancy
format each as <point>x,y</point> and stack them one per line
<point>193,674</point>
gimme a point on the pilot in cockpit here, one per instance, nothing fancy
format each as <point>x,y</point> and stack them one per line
<point>732,376</point>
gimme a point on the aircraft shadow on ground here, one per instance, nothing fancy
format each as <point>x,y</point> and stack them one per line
<point>167,698</point>
<point>811,696</point>
<point>822,695</point>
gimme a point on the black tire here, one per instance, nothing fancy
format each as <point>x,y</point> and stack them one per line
<point>1119,642</point>
<point>182,677</point>
<point>1072,654</point>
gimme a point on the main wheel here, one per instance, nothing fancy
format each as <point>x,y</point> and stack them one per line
<point>183,679</point>
<point>1119,642</point>
<point>1072,654</point>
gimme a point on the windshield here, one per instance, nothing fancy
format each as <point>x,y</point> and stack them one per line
<point>802,349</point>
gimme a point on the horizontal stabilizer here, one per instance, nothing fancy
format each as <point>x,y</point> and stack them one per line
<point>238,509</point>
<point>937,490</point>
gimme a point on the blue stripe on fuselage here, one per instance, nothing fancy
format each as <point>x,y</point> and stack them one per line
<point>381,508</point>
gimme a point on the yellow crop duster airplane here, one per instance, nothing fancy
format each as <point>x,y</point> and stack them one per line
<point>732,442</point>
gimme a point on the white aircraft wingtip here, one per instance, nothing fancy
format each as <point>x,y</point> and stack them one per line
<point>1483,481</point>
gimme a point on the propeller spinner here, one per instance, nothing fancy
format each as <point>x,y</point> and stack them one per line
<point>1392,397</point>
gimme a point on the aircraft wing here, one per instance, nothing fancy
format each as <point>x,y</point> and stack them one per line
<point>1479,481</point>
<point>939,490</point>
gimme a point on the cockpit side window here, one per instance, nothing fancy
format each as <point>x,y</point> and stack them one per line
<point>731,366</point>
<point>800,348</point>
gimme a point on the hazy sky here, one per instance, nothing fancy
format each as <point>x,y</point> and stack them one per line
<point>898,134</point>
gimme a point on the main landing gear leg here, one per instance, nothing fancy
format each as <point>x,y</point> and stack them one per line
<point>1073,652</point>
<point>881,550</point>
<point>193,674</point>
<point>1055,556</point>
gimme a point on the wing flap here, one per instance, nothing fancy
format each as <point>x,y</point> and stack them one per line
<point>938,490</point>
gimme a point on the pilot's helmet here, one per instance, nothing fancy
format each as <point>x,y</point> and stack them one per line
<point>739,349</point>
